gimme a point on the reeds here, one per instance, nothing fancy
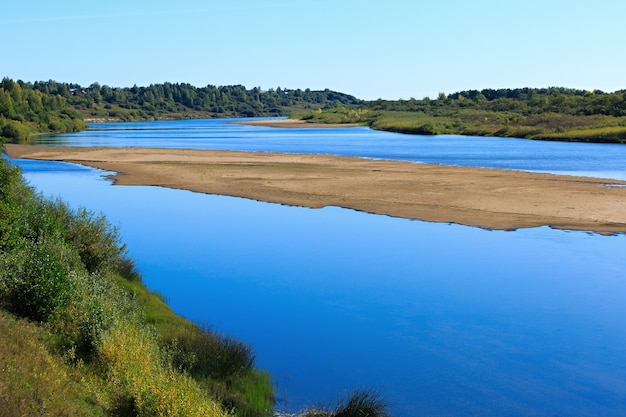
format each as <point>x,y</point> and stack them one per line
<point>359,403</point>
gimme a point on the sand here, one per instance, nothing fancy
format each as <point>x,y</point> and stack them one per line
<point>487,198</point>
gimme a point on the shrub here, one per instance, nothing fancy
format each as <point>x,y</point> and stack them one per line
<point>14,131</point>
<point>95,239</point>
<point>37,279</point>
<point>98,304</point>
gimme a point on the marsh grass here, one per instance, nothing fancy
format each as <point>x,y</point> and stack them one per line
<point>610,134</point>
<point>473,121</point>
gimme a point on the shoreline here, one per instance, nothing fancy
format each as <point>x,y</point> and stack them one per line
<point>479,197</point>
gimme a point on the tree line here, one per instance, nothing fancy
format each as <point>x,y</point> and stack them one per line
<point>54,107</point>
<point>520,100</point>
<point>182,100</point>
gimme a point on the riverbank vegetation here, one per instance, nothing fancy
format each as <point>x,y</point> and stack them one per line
<point>80,334</point>
<point>546,114</point>
<point>561,114</point>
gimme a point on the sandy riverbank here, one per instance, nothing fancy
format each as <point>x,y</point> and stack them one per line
<point>488,198</point>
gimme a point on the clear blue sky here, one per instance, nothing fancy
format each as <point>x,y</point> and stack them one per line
<point>372,49</point>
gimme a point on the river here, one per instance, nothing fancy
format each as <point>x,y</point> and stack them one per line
<point>444,320</point>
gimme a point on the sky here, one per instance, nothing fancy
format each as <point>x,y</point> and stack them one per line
<point>390,49</point>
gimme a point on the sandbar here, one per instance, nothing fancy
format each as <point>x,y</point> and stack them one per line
<point>486,198</point>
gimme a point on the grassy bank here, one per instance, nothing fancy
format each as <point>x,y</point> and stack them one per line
<point>541,114</point>
<point>81,335</point>
<point>549,126</point>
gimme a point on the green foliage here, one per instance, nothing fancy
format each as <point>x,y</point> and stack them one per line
<point>26,110</point>
<point>251,394</point>
<point>98,304</point>
<point>413,123</point>
<point>13,193</point>
<point>609,134</point>
<point>341,114</point>
<point>14,131</point>
<point>362,403</point>
<point>96,241</point>
<point>37,279</point>
<point>182,101</point>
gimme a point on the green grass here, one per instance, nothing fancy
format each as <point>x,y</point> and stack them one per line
<point>609,134</point>
<point>337,115</point>
<point>476,122</point>
<point>412,123</point>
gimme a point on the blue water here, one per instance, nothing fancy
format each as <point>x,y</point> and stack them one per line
<point>597,160</point>
<point>444,320</point>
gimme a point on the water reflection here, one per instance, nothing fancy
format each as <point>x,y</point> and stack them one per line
<point>446,320</point>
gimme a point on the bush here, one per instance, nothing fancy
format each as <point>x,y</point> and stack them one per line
<point>97,242</point>
<point>98,304</point>
<point>37,279</point>
<point>14,131</point>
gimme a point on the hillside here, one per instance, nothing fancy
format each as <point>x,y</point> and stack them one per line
<point>81,335</point>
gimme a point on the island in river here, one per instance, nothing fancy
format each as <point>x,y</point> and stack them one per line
<point>487,198</point>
